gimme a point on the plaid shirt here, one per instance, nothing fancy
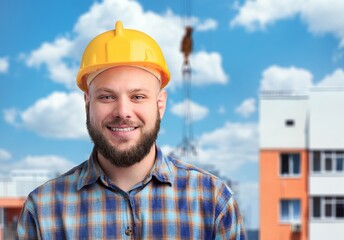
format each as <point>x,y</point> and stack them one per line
<point>176,201</point>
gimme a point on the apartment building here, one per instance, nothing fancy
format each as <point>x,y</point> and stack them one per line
<point>14,189</point>
<point>302,164</point>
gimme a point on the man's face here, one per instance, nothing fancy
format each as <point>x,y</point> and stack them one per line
<point>124,107</point>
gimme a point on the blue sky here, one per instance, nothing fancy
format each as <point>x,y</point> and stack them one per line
<point>240,48</point>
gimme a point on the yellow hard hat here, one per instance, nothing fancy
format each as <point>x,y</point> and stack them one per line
<point>122,47</point>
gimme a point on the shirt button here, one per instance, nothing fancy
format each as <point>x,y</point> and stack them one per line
<point>128,231</point>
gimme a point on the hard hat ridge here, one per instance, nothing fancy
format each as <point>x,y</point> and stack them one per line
<point>119,28</point>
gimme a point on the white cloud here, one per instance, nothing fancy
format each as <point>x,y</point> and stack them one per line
<point>61,57</point>
<point>276,78</point>
<point>319,15</point>
<point>324,17</point>
<point>55,164</point>
<point>4,64</point>
<point>229,147</point>
<point>247,107</point>
<point>56,56</point>
<point>207,68</point>
<point>10,116</point>
<point>197,112</point>
<point>208,24</point>
<point>50,53</point>
<point>59,115</point>
<point>334,80</point>
<point>232,134</point>
<point>257,14</point>
<point>4,155</point>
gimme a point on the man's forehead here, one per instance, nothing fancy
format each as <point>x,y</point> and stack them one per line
<point>126,70</point>
<point>122,80</point>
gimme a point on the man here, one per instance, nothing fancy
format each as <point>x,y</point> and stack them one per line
<point>128,189</point>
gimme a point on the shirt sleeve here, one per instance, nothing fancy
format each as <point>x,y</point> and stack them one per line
<point>27,227</point>
<point>229,223</point>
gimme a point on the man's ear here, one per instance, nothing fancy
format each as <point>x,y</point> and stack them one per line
<point>162,99</point>
<point>86,99</point>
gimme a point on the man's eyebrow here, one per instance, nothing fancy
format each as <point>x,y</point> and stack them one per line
<point>139,90</point>
<point>103,89</point>
<point>109,90</point>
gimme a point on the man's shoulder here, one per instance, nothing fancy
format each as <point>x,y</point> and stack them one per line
<point>182,166</point>
<point>189,168</point>
<point>60,183</point>
<point>191,173</point>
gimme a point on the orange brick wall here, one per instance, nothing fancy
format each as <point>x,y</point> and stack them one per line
<point>12,207</point>
<point>273,188</point>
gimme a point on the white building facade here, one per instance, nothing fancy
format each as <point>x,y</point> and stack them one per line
<point>313,121</point>
<point>326,163</point>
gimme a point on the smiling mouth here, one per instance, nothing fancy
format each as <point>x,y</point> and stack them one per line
<point>126,129</point>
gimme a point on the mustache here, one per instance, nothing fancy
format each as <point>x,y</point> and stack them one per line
<point>121,121</point>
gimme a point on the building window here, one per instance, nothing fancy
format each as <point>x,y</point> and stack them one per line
<point>328,207</point>
<point>290,211</point>
<point>327,162</point>
<point>339,207</point>
<point>290,164</point>
<point>316,207</point>
<point>316,162</point>
<point>289,122</point>
<point>340,164</point>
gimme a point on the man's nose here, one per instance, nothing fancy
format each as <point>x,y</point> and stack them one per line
<point>122,108</point>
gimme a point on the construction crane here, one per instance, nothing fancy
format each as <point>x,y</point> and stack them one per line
<point>187,146</point>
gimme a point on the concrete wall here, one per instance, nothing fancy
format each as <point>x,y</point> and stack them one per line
<point>326,230</point>
<point>274,113</point>
<point>326,119</point>
<point>326,185</point>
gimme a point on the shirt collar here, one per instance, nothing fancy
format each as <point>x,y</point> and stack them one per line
<point>162,169</point>
<point>91,171</point>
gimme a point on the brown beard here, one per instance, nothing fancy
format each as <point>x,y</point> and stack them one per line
<point>127,157</point>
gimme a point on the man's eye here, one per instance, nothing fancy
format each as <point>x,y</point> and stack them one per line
<point>106,97</point>
<point>138,97</point>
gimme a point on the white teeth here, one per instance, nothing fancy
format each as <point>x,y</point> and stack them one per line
<point>128,129</point>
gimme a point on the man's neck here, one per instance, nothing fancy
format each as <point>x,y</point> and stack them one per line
<point>127,177</point>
